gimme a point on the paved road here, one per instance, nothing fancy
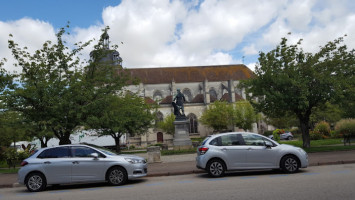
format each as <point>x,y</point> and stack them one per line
<point>318,182</point>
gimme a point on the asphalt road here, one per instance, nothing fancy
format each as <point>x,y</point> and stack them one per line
<point>320,182</point>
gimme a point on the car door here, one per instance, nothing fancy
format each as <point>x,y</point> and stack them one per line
<point>258,155</point>
<point>56,163</point>
<point>85,167</point>
<point>232,150</point>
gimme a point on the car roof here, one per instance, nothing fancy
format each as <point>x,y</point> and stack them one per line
<point>65,145</point>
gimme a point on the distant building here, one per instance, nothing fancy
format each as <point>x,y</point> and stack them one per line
<point>201,86</point>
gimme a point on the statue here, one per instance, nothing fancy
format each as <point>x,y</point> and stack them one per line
<point>178,103</point>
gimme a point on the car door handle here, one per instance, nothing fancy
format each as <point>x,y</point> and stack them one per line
<point>250,149</point>
<point>76,162</point>
<point>224,149</point>
<point>47,162</point>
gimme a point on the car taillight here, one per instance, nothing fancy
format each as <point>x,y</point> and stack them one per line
<point>202,150</point>
<point>23,163</point>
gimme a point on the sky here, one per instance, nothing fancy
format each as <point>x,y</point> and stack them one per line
<point>172,33</point>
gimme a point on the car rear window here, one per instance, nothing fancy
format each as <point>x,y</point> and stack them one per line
<point>205,140</point>
<point>59,152</point>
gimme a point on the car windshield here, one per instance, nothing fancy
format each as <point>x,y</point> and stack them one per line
<point>102,149</point>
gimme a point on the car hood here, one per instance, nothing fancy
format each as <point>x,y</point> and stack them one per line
<point>287,146</point>
<point>130,156</point>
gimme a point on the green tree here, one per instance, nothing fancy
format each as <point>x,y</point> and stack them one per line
<point>119,115</point>
<point>245,115</point>
<point>289,80</point>
<point>328,112</point>
<point>56,91</point>
<point>12,128</point>
<point>285,121</point>
<point>219,116</point>
<point>46,94</point>
<point>167,124</point>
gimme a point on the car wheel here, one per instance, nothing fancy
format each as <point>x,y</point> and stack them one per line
<point>216,168</point>
<point>289,138</point>
<point>117,176</point>
<point>35,182</point>
<point>290,164</point>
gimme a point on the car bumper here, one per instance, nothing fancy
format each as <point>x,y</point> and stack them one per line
<point>137,171</point>
<point>201,162</point>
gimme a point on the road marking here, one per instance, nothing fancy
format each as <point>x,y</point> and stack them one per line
<point>249,177</point>
<point>59,191</point>
<point>280,175</point>
<point>310,174</point>
<point>217,179</point>
<point>25,194</point>
<point>124,186</point>
<point>185,182</point>
<point>91,189</point>
<point>154,184</point>
<point>341,172</point>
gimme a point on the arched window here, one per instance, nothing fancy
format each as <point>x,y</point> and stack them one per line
<point>193,123</point>
<point>157,96</point>
<point>213,95</point>
<point>187,94</point>
<point>159,118</point>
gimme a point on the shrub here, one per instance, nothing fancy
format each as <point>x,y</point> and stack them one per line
<point>345,127</point>
<point>315,135</point>
<point>335,134</point>
<point>276,133</point>
<point>267,133</point>
<point>323,128</point>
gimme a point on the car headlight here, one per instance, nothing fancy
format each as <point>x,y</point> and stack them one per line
<point>134,160</point>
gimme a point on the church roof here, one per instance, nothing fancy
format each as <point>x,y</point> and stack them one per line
<point>191,74</point>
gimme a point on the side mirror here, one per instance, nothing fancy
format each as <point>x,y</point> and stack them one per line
<point>268,144</point>
<point>95,155</point>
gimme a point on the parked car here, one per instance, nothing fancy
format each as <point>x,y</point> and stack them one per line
<point>240,151</point>
<point>68,164</point>
<point>284,136</point>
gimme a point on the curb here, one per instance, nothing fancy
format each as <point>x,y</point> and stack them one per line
<point>200,171</point>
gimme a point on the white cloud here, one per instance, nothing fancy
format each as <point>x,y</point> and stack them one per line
<point>26,33</point>
<point>210,32</point>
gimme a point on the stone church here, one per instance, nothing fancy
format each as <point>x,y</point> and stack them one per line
<point>201,86</point>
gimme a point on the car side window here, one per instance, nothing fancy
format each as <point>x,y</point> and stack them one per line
<point>58,152</point>
<point>227,140</point>
<point>253,140</point>
<point>84,152</point>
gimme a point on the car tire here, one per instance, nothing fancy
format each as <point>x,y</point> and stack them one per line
<point>289,138</point>
<point>290,164</point>
<point>35,182</point>
<point>216,168</point>
<point>117,176</point>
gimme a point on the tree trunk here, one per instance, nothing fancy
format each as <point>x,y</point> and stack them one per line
<point>64,139</point>
<point>43,142</point>
<point>117,142</point>
<point>304,122</point>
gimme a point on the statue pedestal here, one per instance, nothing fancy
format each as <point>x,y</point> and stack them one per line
<point>181,136</point>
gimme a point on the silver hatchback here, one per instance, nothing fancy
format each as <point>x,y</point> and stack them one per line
<point>239,151</point>
<point>78,164</point>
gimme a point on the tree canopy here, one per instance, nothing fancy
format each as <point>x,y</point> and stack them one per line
<point>119,115</point>
<point>56,90</point>
<point>287,79</point>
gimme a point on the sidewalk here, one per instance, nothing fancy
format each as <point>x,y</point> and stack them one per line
<point>185,164</point>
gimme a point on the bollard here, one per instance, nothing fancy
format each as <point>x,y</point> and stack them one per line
<point>153,154</point>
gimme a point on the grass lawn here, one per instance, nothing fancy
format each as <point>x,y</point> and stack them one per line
<point>8,170</point>
<point>322,145</point>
